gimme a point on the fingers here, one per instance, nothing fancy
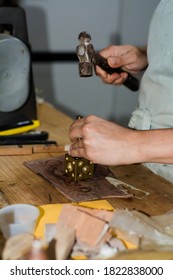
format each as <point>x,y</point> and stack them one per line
<point>115,78</point>
<point>101,73</point>
<point>77,153</point>
<point>81,133</point>
<point>75,131</point>
<point>120,79</point>
<point>77,149</point>
<point>126,57</point>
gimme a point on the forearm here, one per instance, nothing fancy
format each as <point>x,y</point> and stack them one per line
<point>108,143</point>
<point>152,146</point>
<point>143,51</point>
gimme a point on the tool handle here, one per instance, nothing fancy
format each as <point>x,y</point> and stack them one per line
<point>30,135</point>
<point>132,83</point>
<point>26,142</point>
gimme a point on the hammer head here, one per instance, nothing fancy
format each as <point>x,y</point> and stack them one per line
<point>85,52</point>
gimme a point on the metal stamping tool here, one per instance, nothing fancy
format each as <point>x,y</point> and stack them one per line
<point>78,168</point>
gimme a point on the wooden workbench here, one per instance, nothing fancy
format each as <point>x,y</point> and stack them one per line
<point>18,184</point>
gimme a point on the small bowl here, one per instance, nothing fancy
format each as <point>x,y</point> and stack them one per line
<point>18,218</point>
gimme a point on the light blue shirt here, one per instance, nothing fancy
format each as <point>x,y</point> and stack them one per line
<point>155,102</point>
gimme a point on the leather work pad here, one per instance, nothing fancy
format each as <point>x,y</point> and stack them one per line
<point>52,169</point>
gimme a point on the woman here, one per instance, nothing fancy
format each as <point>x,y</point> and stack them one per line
<point>149,138</point>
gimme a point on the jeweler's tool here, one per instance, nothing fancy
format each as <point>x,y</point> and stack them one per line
<point>78,168</point>
<point>88,57</point>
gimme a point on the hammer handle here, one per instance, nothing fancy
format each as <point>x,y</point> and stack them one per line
<point>132,83</point>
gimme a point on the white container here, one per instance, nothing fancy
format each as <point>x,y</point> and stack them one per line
<point>18,218</point>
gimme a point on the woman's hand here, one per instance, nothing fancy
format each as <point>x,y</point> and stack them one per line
<point>130,58</point>
<point>100,141</point>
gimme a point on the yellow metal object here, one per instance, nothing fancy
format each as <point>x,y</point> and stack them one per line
<point>17,130</point>
<point>78,168</point>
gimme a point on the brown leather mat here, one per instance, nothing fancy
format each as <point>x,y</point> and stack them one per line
<point>52,169</point>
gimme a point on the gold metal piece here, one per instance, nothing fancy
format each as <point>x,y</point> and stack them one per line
<point>78,168</point>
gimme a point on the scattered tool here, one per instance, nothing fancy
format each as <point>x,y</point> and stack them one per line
<point>20,127</point>
<point>30,135</point>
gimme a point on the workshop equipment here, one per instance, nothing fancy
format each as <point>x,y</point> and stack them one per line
<point>78,168</point>
<point>17,95</point>
<point>88,59</point>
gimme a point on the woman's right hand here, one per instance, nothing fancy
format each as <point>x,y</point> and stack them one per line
<point>130,58</point>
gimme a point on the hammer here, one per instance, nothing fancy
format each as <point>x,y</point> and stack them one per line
<point>89,58</point>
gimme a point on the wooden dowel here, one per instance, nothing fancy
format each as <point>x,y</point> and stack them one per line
<point>10,150</point>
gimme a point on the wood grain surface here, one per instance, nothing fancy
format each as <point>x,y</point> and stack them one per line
<point>18,184</point>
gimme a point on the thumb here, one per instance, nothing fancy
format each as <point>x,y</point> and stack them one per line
<point>115,62</point>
